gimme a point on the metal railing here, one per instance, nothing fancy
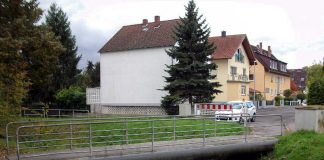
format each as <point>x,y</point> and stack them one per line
<point>124,136</point>
<point>46,113</point>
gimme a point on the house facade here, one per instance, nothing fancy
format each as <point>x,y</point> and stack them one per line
<point>133,63</point>
<point>233,57</point>
<point>299,76</point>
<point>271,74</point>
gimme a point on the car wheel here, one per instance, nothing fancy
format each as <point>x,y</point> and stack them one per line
<point>253,118</point>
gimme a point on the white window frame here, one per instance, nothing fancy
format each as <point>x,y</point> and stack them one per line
<point>243,90</point>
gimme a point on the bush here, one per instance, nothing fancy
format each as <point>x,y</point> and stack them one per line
<point>277,100</point>
<point>301,96</point>
<point>287,93</point>
<point>71,98</point>
<point>316,92</point>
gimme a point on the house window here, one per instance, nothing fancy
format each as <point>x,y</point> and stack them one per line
<point>243,90</point>
<point>251,77</point>
<point>273,64</point>
<point>244,72</point>
<point>233,70</point>
<point>302,79</point>
<point>239,56</point>
<point>271,78</point>
<point>267,90</point>
<point>283,67</point>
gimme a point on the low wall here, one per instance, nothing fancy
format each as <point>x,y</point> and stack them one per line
<point>128,110</point>
<point>235,151</point>
<point>310,118</point>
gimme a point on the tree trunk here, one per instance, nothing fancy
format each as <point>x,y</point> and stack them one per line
<point>192,105</point>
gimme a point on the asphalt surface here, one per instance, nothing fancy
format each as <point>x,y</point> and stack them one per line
<point>288,118</point>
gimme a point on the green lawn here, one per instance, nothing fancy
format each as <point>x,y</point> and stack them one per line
<point>301,145</point>
<point>117,131</point>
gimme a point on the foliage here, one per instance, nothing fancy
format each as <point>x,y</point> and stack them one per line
<point>287,93</point>
<point>189,76</point>
<point>71,98</point>
<point>293,86</point>
<point>90,77</point>
<point>301,96</point>
<point>258,97</point>
<point>28,53</point>
<point>67,71</point>
<point>316,92</point>
<point>314,73</point>
<point>299,145</point>
<point>277,100</point>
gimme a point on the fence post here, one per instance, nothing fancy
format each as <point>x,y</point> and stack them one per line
<point>281,125</point>
<point>71,136</point>
<point>152,135</point>
<point>245,130</point>
<point>204,133</point>
<point>72,113</point>
<point>59,113</point>
<point>90,140</point>
<point>174,128</point>
<point>215,127</point>
<point>126,130</point>
<point>17,143</point>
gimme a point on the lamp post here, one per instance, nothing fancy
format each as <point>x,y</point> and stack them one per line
<point>254,62</point>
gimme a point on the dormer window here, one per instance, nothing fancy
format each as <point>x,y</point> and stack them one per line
<point>239,56</point>
<point>283,67</point>
<point>273,65</point>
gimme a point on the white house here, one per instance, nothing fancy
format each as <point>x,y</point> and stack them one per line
<point>132,67</point>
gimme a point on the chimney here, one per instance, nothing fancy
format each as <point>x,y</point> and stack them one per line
<point>269,51</point>
<point>145,22</point>
<point>260,47</point>
<point>223,33</point>
<point>157,19</point>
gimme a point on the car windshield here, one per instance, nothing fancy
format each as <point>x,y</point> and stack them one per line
<point>249,104</point>
<point>236,105</point>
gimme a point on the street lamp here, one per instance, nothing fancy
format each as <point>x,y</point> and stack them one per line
<point>254,63</point>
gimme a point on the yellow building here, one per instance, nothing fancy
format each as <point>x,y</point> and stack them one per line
<point>233,56</point>
<point>271,76</point>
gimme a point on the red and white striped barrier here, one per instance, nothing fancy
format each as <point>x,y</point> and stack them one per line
<point>210,106</point>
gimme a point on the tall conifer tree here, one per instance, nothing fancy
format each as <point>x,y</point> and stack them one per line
<point>68,60</point>
<point>190,76</point>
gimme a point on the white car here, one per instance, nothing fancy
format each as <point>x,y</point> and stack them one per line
<point>239,109</point>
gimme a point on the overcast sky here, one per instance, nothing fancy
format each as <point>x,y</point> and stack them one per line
<point>293,28</point>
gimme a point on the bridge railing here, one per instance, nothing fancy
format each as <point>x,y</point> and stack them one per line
<point>99,137</point>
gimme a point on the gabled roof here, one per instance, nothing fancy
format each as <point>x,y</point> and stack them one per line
<point>264,59</point>
<point>136,37</point>
<point>226,46</point>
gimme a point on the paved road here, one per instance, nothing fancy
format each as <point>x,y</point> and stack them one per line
<point>271,122</point>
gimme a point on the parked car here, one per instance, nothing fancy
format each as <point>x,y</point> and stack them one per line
<point>239,110</point>
<point>304,103</point>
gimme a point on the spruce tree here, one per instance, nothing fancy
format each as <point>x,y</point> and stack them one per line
<point>68,60</point>
<point>190,76</point>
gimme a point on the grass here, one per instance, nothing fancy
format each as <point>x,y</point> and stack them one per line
<point>114,133</point>
<point>301,145</point>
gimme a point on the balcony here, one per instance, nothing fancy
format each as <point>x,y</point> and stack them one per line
<point>238,78</point>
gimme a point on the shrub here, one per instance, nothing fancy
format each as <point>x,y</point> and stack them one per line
<point>277,100</point>
<point>287,93</point>
<point>316,92</point>
<point>71,98</point>
<point>301,96</point>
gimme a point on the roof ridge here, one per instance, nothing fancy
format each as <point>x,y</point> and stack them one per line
<point>150,22</point>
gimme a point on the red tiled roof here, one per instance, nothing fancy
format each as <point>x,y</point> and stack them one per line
<point>264,59</point>
<point>134,37</point>
<point>227,46</point>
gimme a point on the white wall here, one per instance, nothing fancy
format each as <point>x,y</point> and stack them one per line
<point>133,77</point>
